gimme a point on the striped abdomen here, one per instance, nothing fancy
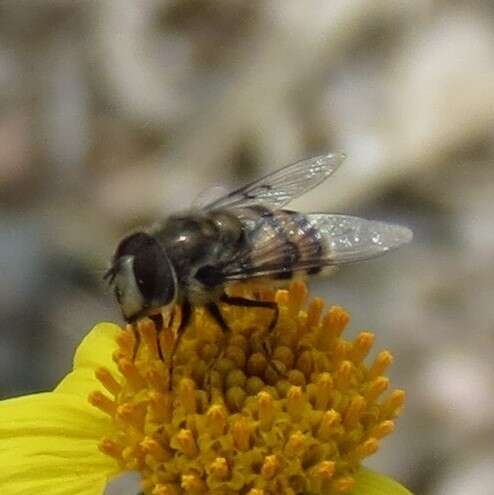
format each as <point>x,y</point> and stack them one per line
<point>282,242</point>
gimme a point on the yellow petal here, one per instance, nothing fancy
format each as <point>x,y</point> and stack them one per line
<point>48,445</point>
<point>371,483</point>
<point>95,350</point>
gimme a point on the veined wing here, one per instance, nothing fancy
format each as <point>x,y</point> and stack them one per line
<point>208,196</point>
<point>288,242</point>
<point>279,188</point>
<point>355,239</point>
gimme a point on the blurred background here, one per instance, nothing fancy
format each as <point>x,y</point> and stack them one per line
<point>113,114</point>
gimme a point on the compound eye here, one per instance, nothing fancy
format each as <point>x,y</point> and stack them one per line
<point>145,252</point>
<point>146,268</point>
<point>132,244</point>
<point>152,271</point>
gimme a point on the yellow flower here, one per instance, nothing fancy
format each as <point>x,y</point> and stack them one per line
<point>243,413</point>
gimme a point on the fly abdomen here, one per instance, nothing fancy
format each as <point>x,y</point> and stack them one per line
<point>282,238</point>
<point>312,243</point>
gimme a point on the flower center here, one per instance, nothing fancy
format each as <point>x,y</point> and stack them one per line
<point>294,410</point>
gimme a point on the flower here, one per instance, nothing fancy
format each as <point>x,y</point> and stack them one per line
<point>247,412</point>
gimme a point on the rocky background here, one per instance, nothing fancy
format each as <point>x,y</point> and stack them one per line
<point>114,113</point>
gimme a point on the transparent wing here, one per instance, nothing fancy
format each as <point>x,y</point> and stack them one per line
<point>279,188</point>
<point>291,242</point>
<point>209,196</point>
<point>355,239</point>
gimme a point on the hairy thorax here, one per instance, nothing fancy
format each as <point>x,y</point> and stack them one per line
<point>197,242</point>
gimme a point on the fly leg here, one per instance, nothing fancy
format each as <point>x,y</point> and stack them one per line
<point>186,313</point>
<point>215,312</point>
<point>157,319</point>
<point>250,303</point>
<point>159,323</point>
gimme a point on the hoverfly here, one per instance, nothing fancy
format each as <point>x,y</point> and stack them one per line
<point>191,258</point>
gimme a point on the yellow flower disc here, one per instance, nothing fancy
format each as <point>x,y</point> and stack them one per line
<point>289,411</point>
